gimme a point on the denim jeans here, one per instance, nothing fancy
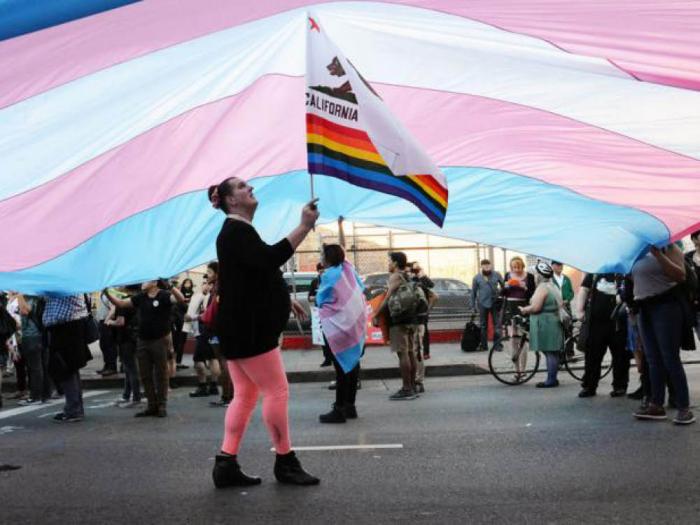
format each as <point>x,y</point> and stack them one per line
<point>132,385</point>
<point>73,392</point>
<point>661,325</point>
<point>36,355</point>
<point>552,366</point>
<point>484,321</point>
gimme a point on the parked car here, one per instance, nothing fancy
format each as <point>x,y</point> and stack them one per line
<point>454,296</point>
<point>302,281</point>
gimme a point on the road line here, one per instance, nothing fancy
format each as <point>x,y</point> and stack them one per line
<point>348,447</point>
<point>32,408</point>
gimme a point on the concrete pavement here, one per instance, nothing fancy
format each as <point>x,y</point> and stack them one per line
<point>472,451</point>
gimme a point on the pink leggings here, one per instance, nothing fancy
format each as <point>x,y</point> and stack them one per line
<point>251,376</point>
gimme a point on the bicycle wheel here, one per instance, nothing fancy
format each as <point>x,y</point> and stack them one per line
<point>514,368</point>
<point>575,360</point>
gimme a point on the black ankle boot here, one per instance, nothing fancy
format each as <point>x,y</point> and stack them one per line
<point>213,388</point>
<point>227,473</point>
<point>288,470</point>
<point>336,415</point>
<point>350,412</point>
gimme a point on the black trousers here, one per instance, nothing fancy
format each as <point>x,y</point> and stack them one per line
<point>426,339</point>
<point>179,339</point>
<point>345,384</point>
<point>603,336</point>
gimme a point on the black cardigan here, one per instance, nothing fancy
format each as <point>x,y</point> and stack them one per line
<point>254,302</point>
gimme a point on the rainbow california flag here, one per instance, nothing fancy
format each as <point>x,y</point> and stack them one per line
<point>351,134</point>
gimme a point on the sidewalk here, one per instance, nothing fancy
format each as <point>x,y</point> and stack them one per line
<point>303,367</point>
<point>447,359</point>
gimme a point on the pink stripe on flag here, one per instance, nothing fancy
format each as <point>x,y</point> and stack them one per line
<point>618,31</point>
<point>261,132</point>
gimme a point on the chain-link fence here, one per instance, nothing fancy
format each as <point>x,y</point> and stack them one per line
<point>367,247</point>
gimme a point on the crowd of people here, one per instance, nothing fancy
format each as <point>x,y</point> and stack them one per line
<point>649,315</point>
<point>238,316</point>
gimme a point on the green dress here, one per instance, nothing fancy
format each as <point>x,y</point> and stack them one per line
<point>546,333</point>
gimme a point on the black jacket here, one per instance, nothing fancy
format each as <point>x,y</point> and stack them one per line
<point>254,302</point>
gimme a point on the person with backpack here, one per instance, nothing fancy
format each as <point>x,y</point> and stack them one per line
<point>661,294</point>
<point>487,288</point>
<point>403,302</point>
<point>33,349</point>
<point>598,308</point>
<point>692,261</point>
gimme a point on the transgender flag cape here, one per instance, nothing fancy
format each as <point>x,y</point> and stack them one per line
<point>343,313</point>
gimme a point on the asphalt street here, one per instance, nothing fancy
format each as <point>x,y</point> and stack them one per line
<point>469,450</point>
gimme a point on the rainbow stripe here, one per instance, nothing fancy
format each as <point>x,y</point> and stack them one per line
<point>348,154</point>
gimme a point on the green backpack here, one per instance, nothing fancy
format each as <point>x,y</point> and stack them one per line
<point>408,300</point>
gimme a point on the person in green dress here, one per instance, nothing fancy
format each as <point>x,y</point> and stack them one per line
<point>546,333</point>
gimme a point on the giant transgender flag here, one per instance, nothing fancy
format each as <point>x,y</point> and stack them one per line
<point>352,136</point>
<point>568,130</point>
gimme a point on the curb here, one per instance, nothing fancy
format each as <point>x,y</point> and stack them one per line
<point>307,376</point>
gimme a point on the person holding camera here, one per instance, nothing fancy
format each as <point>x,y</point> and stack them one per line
<point>154,344</point>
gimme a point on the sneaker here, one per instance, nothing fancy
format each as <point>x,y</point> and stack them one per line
<point>618,392</point>
<point>652,412</point>
<point>403,395</point>
<point>420,389</point>
<point>30,402</point>
<point>332,385</point>
<point>684,417</point>
<point>121,401</point>
<point>130,404</point>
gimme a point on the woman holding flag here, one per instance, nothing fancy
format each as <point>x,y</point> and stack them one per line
<point>343,314</point>
<point>254,307</point>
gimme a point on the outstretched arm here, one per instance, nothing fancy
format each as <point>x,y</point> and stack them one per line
<point>119,303</point>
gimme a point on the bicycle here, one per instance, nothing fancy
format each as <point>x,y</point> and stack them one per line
<point>520,366</point>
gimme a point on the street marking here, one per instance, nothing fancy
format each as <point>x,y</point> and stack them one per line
<point>33,408</point>
<point>348,447</point>
<point>8,429</point>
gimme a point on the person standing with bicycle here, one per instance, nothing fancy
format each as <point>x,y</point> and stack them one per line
<point>598,299</point>
<point>546,332</point>
<point>518,288</point>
